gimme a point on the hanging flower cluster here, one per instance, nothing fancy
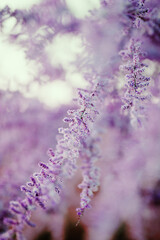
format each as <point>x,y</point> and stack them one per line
<point>107,146</point>
<point>137,83</point>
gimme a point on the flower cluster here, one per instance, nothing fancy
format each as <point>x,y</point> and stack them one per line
<point>107,144</point>
<point>137,83</point>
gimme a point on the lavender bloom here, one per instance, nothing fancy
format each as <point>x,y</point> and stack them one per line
<point>46,185</point>
<point>104,155</point>
<point>136,11</point>
<point>90,173</point>
<point>137,83</point>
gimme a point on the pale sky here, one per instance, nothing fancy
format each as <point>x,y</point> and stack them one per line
<point>16,70</point>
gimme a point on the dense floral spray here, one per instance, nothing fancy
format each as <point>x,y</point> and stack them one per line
<point>101,172</point>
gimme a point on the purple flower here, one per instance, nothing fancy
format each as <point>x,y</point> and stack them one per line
<point>104,154</point>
